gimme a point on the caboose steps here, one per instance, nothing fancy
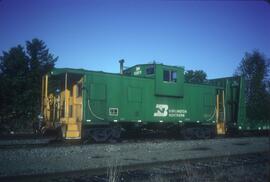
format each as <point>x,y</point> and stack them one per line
<point>73,126</point>
<point>68,120</point>
<point>221,128</point>
<point>73,131</point>
<point>73,134</point>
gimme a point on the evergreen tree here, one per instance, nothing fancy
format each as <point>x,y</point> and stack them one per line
<point>40,62</point>
<point>20,82</point>
<point>14,73</point>
<point>255,69</point>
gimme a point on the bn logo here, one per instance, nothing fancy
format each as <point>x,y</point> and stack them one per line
<point>161,110</point>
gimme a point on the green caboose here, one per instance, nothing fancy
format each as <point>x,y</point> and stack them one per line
<point>101,105</point>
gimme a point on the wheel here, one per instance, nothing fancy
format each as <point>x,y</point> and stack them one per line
<point>115,135</point>
<point>101,134</point>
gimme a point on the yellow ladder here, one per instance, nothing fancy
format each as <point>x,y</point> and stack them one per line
<point>220,109</point>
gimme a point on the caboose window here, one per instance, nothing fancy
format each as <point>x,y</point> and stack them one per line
<point>150,70</point>
<point>166,75</point>
<point>113,111</point>
<point>169,76</point>
<point>173,76</point>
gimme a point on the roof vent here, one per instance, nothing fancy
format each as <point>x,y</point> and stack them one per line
<point>121,65</point>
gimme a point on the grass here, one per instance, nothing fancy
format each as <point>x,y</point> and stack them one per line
<point>114,169</point>
<point>113,174</point>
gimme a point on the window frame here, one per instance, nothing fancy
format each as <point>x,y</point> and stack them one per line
<point>152,68</point>
<point>171,74</point>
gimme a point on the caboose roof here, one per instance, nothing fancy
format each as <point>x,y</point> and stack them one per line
<point>152,64</point>
<point>59,71</point>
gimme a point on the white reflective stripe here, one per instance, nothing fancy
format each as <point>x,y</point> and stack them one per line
<point>139,121</point>
<point>88,120</point>
<point>161,121</point>
<point>115,120</point>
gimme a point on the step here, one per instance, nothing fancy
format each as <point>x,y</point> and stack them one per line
<point>72,134</point>
<point>71,120</point>
<point>72,126</point>
<point>68,120</point>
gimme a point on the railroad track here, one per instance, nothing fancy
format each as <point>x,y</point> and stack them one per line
<point>52,142</point>
<point>55,143</point>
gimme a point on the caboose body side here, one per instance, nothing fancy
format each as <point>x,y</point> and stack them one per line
<point>101,105</point>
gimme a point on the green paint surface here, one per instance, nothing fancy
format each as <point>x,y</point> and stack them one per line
<point>140,95</point>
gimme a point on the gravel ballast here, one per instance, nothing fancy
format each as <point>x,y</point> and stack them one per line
<point>43,160</point>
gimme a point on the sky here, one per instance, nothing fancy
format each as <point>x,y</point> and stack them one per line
<point>94,34</point>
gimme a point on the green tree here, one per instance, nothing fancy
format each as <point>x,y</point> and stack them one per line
<point>254,67</point>
<point>40,62</point>
<point>197,76</point>
<point>14,72</point>
<point>20,72</point>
